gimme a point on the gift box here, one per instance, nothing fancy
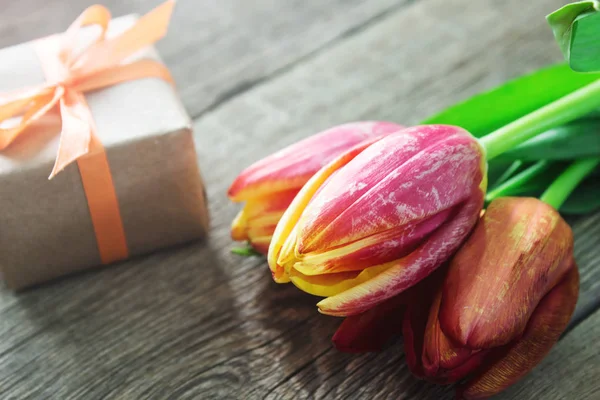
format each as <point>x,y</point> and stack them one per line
<point>136,190</point>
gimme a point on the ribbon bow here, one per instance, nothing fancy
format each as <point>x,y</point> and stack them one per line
<point>71,72</point>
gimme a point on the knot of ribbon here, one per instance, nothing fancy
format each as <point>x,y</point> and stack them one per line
<point>71,71</point>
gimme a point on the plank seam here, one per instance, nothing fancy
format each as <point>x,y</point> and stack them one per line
<point>248,85</point>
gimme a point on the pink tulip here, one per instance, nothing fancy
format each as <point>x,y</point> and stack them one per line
<point>381,217</point>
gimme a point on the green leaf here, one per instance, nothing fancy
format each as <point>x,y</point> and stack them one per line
<point>576,28</point>
<point>541,182</point>
<point>579,139</point>
<point>565,184</point>
<point>585,199</point>
<point>516,181</point>
<point>486,112</point>
<point>508,173</point>
<point>247,251</point>
<point>496,169</point>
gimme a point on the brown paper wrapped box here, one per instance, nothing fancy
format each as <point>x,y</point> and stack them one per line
<point>45,225</point>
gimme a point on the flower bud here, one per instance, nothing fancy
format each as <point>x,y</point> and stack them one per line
<point>381,217</point>
<point>507,296</point>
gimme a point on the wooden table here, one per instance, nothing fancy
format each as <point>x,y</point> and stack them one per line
<point>198,322</point>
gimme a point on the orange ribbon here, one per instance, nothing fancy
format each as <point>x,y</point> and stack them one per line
<point>69,73</point>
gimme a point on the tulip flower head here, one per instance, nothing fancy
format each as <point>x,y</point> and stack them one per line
<point>269,185</point>
<point>381,217</point>
<point>507,296</point>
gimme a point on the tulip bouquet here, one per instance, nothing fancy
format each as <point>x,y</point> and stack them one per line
<point>395,229</point>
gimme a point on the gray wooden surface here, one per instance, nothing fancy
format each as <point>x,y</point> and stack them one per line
<point>198,322</point>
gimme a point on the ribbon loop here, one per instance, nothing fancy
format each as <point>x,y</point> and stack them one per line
<point>93,15</point>
<point>147,30</point>
<point>25,110</point>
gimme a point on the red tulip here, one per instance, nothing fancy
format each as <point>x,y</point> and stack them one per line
<point>381,217</point>
<point>508,295</point>
<point>269,185</point>
<point>372,329</point>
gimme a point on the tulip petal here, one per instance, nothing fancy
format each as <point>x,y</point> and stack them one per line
<point>416,316</point>
<point>424,357</point>
<point>258,218</point>
<point>261,244</point>
<point>411,269</point>
<point>294,211</point>
<point>262,211</point>
<point>444,362</point>
<point>373,329</point>
<point>331,284</point>
<point>266,228</point>
<point>439,354</point>
<point>469,365</point>
<point>546,325</point>
<point>239,227</point>
<point>494,285</point>
<point>377,249</point>
<point>413,332</point>
<point>404,178</point>
<point>292,166</point>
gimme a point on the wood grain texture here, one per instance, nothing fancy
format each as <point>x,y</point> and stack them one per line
<point>570,371</point>
<point>587,255</point>
<point>215,49</point>
<point>197,322</point>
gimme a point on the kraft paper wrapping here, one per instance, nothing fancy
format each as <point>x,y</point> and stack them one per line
<point>45,225</point>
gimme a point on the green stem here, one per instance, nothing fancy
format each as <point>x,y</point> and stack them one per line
<point>517,180</point>
<point>567,108</point>
<point>563,186</point>
<point>514,167</point>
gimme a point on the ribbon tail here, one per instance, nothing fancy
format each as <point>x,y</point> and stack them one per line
<point>78,139</point>
<point>25,109</point>
<point>147,30</point>
<point>76,134</point>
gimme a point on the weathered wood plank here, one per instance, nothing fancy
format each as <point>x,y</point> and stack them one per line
<point>368,376</point>
<point>198,322</point>
<point>215,49</point>
<point>587,254</point>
